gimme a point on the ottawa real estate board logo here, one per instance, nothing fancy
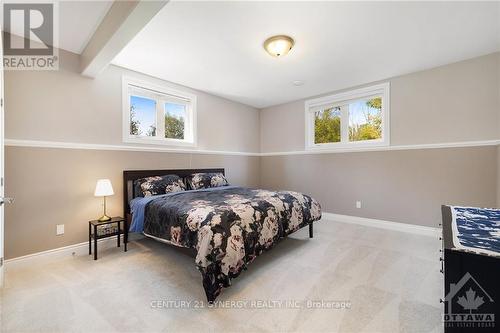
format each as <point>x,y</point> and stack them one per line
<point>469,306</point>
<point>29,35</point>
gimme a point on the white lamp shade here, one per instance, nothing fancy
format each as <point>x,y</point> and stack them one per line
<point>103,188</point>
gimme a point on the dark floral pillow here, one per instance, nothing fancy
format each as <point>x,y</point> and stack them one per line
<point>157,185</point>
<point>197,181</point>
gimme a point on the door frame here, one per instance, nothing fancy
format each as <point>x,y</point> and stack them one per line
<point>2,106</point>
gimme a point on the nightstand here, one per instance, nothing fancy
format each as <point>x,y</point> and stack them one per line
<point>105,229</point>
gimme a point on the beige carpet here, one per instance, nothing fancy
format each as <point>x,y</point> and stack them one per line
<point>391,280</point>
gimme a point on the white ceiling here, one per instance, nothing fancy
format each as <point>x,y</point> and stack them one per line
<point>217,46</point>
<point>78,21</point>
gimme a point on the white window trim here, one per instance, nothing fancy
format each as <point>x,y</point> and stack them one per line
<point>160,89</point>
<point>311,106</point>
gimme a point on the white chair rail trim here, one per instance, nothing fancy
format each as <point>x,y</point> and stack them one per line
<point>94,146</point>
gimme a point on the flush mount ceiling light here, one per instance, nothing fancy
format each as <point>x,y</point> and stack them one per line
<point>278,46</point>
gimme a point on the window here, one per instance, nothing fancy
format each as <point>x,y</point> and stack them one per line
<point>358,118</point>
<point>158,115</point>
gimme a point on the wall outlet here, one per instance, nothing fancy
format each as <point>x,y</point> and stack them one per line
<point>59,229</point>
<point>358,204</point>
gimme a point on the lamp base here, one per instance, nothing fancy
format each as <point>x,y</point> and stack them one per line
<point>104,218</point>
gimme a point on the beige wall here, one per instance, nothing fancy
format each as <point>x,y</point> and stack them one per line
<point>55,186</point>
<point>65,106</point>
<point>406,186</point>
<point>453,103</point>
<point>459,102</point>
<point>498,176</point>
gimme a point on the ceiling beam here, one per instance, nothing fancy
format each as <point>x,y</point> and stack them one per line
<point>122,22</point>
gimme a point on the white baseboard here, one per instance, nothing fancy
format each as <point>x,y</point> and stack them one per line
<point>66,251</point>
<point>82,248</point>
<point>403,227</point>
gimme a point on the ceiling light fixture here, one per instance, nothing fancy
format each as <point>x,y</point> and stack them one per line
<point>278,46</point>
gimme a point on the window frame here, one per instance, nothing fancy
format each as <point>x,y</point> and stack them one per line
<point>311,106</point>
<point>161,94</point>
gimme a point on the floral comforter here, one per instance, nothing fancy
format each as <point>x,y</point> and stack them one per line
<point>228,227</point>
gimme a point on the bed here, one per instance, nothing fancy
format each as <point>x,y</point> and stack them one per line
<point>227,225</point>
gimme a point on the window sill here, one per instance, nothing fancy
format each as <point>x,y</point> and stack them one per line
<point>353,146</point>
<point>160,142</point>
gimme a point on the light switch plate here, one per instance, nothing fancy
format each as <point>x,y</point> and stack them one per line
<point>358,204</point>
<point>59,229</point>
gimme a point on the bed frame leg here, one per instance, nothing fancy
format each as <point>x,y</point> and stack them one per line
<point>310,230</point>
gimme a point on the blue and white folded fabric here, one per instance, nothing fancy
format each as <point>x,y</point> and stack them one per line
<point>476,230</point>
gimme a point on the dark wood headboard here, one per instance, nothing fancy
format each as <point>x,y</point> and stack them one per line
<point>130,175</point>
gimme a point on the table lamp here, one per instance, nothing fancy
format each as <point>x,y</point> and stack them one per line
<point>103,189</point>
